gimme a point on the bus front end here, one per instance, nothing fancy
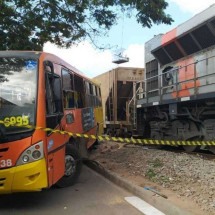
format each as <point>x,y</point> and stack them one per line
<point>22,161</point>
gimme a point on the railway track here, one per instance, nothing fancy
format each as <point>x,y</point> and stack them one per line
<point>200,152</point>
<point>203,153</point>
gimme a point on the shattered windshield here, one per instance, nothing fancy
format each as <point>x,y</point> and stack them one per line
<point>18,81</point>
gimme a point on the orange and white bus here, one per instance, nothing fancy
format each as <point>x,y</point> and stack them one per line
<point>39,90</point>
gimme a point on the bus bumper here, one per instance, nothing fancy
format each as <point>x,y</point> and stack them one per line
<point>24,178</point>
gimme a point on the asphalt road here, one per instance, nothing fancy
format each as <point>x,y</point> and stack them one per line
<point>92,195</point>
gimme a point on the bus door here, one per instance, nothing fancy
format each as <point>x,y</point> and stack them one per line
<point>54,120</point>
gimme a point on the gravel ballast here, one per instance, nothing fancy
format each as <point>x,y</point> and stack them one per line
<point>190,177</point>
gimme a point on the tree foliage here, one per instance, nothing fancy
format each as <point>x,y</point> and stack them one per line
<point>28,24</point>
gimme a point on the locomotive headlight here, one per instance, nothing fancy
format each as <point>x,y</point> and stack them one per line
<point>31,154</point>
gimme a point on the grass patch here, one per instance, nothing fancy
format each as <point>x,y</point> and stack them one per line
<point>150,173</point>
<point>164,178</point>
<point>156,163</point>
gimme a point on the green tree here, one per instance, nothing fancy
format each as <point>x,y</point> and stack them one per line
<point>28,24</point>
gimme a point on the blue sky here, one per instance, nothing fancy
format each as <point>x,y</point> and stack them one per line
<point>127,34</point>
<point>130,32</point>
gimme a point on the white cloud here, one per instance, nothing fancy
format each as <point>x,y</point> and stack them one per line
<point>84,57</point>
<point>93,62</point>
<point>135,53</point>
<point>193,6</point>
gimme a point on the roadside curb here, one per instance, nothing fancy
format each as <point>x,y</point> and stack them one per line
<point>158,202</point>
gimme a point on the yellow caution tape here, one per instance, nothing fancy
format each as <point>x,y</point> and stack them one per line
<point>120,139</point>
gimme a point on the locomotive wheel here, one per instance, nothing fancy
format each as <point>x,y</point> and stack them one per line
<point>212,149</point>
<point>189,128</point>
<point>156,136</point>
<point>190,148</point>
<point>192,128</point>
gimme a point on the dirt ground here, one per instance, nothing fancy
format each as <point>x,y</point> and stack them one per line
<point>186,179</point>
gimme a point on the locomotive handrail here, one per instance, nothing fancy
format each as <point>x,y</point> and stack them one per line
<point>179,67</point>
<point>129,103</point>
<point>134,95</point>
<point>177,82</point>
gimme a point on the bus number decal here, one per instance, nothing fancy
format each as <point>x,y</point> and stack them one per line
<point>5,163</point>
<point>16,120</point>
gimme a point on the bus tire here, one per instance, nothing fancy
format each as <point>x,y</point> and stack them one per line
<point>73,166</point>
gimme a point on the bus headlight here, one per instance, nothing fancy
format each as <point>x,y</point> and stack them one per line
<point>36,154</point>
<point>31,154</point>
<point>25,158</point>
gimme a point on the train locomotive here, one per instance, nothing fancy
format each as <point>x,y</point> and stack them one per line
<point>177,98</point>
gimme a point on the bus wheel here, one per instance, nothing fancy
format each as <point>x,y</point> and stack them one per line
<point>73,165</point>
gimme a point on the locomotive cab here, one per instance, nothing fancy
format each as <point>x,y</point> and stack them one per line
<point>179,97</point>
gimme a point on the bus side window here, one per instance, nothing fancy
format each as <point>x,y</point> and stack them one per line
<point>53,94</point>
<point>58,94</point>
<point>87,92</point>
<point>54,105</point>
<point>50,104</point>
<point>68,89</point>
<point>79,91</point>
<point>69,100</point>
